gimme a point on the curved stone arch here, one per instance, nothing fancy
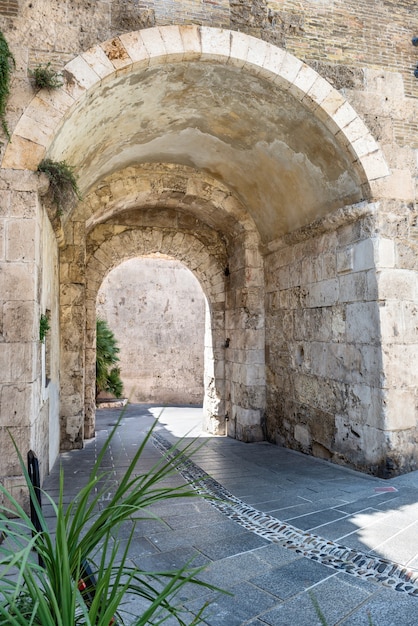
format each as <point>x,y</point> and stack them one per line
<point>183,247</point>
<point>180,187</point>
<point>169,44</point>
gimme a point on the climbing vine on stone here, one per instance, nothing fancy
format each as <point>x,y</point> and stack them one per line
<point>7,63</point>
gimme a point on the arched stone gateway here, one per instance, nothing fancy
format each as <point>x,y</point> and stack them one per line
<point>223,151</point>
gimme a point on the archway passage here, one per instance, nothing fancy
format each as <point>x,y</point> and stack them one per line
<point>227,154</point>
<point>156,310</point>
<point>175,233</point>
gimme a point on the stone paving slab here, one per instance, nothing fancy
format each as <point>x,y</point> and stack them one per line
<point>271,583</point>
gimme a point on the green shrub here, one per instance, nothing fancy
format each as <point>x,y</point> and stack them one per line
<point>44,77</point>
<point>43,327</point>
<point>107,373</point>
<point>62,183</point>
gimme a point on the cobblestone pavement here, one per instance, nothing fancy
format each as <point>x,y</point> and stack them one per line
<point>284,530</point>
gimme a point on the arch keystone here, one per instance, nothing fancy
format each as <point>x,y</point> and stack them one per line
<point>216,43</point>
<point>171,37</point>
<point>192,43</point>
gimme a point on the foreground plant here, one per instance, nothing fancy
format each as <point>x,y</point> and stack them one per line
<point>43,579</point>
<point>320,614</point>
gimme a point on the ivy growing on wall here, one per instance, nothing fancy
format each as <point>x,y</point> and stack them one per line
<point>7,63</point>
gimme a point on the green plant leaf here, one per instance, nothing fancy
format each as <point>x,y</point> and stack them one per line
<point>107,350</point>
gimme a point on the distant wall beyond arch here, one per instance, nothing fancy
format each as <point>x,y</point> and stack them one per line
<point>156,309</point>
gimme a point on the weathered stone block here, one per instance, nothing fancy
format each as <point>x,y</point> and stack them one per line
<point>79,76</point>
<point>9,462</point>
<point>98,61</point>
<point>345,260</point>
<point>302,436</point>
<point>397,284</point>
<point>400,363</point>
<point>21,240</point>
<point>17,363</point>
<point>154,44</point>
<point>16,405</point>
<point>353,287</point>
<point>362,323</point>
<point>190,34</point>
<point>401,409</point>
<point>24,154</point>
<point>303,82</point>
<point>20,321</point>
<point>324,293</point>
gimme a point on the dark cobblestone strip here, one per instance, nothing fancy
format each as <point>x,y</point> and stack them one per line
<point>312,546</point>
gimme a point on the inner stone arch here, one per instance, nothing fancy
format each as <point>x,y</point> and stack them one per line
<point>113,245</point>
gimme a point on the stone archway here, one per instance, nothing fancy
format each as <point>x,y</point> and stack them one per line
<point>40,124</point>
<point>186,133</point>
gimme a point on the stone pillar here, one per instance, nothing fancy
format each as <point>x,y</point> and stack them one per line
<point>73,336</point>
<point>19,321</point>
<point>90,370</point>
<point>398,310</point>
<point>214,370</point>
<point>244,343</point>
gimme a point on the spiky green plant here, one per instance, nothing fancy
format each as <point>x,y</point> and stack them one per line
<point>107,373</point>
<point>47,592</point>
<point>45,77</point>
<point>7,62</point>
<point>62,182</point>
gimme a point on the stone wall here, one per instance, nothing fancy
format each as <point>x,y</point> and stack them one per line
<point>324,341</point>
<point>28,288</point>
<point>156,308</point>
